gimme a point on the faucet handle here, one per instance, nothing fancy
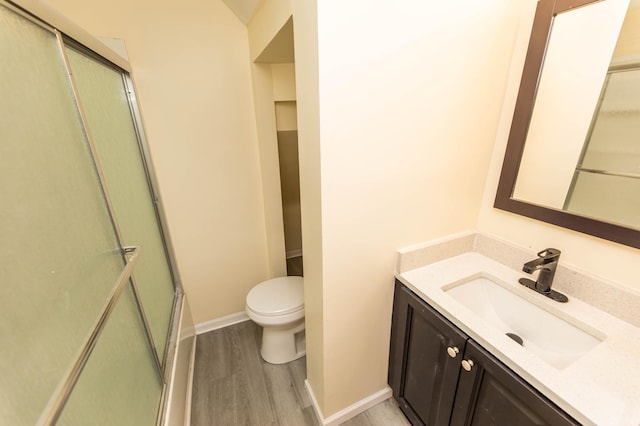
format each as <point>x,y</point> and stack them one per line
<point>549,254</point>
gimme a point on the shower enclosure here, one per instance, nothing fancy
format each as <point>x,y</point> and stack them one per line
<point>89,290</point>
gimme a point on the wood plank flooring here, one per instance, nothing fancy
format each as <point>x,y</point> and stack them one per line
<point>232,386</point>
<point>386,413</point>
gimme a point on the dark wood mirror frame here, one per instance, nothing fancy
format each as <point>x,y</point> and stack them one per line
<point>543,20</point>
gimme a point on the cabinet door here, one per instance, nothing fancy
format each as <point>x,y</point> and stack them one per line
<point>491,394</point>
<point>422,374</point>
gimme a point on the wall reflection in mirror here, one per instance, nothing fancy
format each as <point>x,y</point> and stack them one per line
<point>582,150</point>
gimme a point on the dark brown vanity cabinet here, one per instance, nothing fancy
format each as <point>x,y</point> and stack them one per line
<point>440,376</point>
<point>422,374</point>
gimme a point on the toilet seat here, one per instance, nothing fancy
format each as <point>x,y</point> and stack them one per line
<point>277,296</point>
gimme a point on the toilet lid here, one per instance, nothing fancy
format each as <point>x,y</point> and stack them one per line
<point>277,296</point>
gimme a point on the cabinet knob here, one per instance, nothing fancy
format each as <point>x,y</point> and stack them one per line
<point>453,351</point>
<point>467,364</point>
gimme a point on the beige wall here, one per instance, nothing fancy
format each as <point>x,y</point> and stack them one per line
<point>284,82</point>
<point>265,117</point>
<point>308,100</point>
<point>268,20</point>
<point>629,42</point>
<point>264,26</point>
<point>595,256</point>
<point>286,116</point>
<point>410,97</point>
<point>190,65</point>
<point>270,83</point>
<point>380,109</point>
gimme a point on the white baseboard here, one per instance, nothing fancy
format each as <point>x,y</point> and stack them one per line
<point>294,253</point>
<point>352,410</point>
<point>217,323</point>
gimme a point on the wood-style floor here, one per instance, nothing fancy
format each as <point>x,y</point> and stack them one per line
<point>232,386</point>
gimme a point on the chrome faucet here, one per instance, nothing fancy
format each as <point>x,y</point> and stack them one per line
<point>546,263</point>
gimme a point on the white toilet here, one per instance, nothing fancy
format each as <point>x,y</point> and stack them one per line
<point>277,305</point>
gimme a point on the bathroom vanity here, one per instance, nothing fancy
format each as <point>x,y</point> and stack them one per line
<point>441,376</point>
<point>469,345</point>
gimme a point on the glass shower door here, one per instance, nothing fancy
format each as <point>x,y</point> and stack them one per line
<point>103,97</point>
<point>75,346</point>
<point>59,254</point>
<point>130,397</point>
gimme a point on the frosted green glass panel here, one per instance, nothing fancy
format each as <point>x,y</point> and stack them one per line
<point>613,144</point>
<point>104,101</point>
<point>120,384</point>
<point>59,255</point>
<point>603,196</point>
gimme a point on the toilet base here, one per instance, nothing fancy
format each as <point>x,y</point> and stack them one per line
<point>281,345</point>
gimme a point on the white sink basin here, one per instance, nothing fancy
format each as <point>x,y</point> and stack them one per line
<point>555,338</point>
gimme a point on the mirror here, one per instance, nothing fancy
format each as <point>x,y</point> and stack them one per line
<point>573,155</point>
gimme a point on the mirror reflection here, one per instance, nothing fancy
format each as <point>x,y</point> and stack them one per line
<point>582,152</point>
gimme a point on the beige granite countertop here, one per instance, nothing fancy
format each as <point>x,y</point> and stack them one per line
<point>602,387</point>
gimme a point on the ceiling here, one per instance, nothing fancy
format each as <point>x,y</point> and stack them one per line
<point>244,9</point>
<point>280,49</point>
